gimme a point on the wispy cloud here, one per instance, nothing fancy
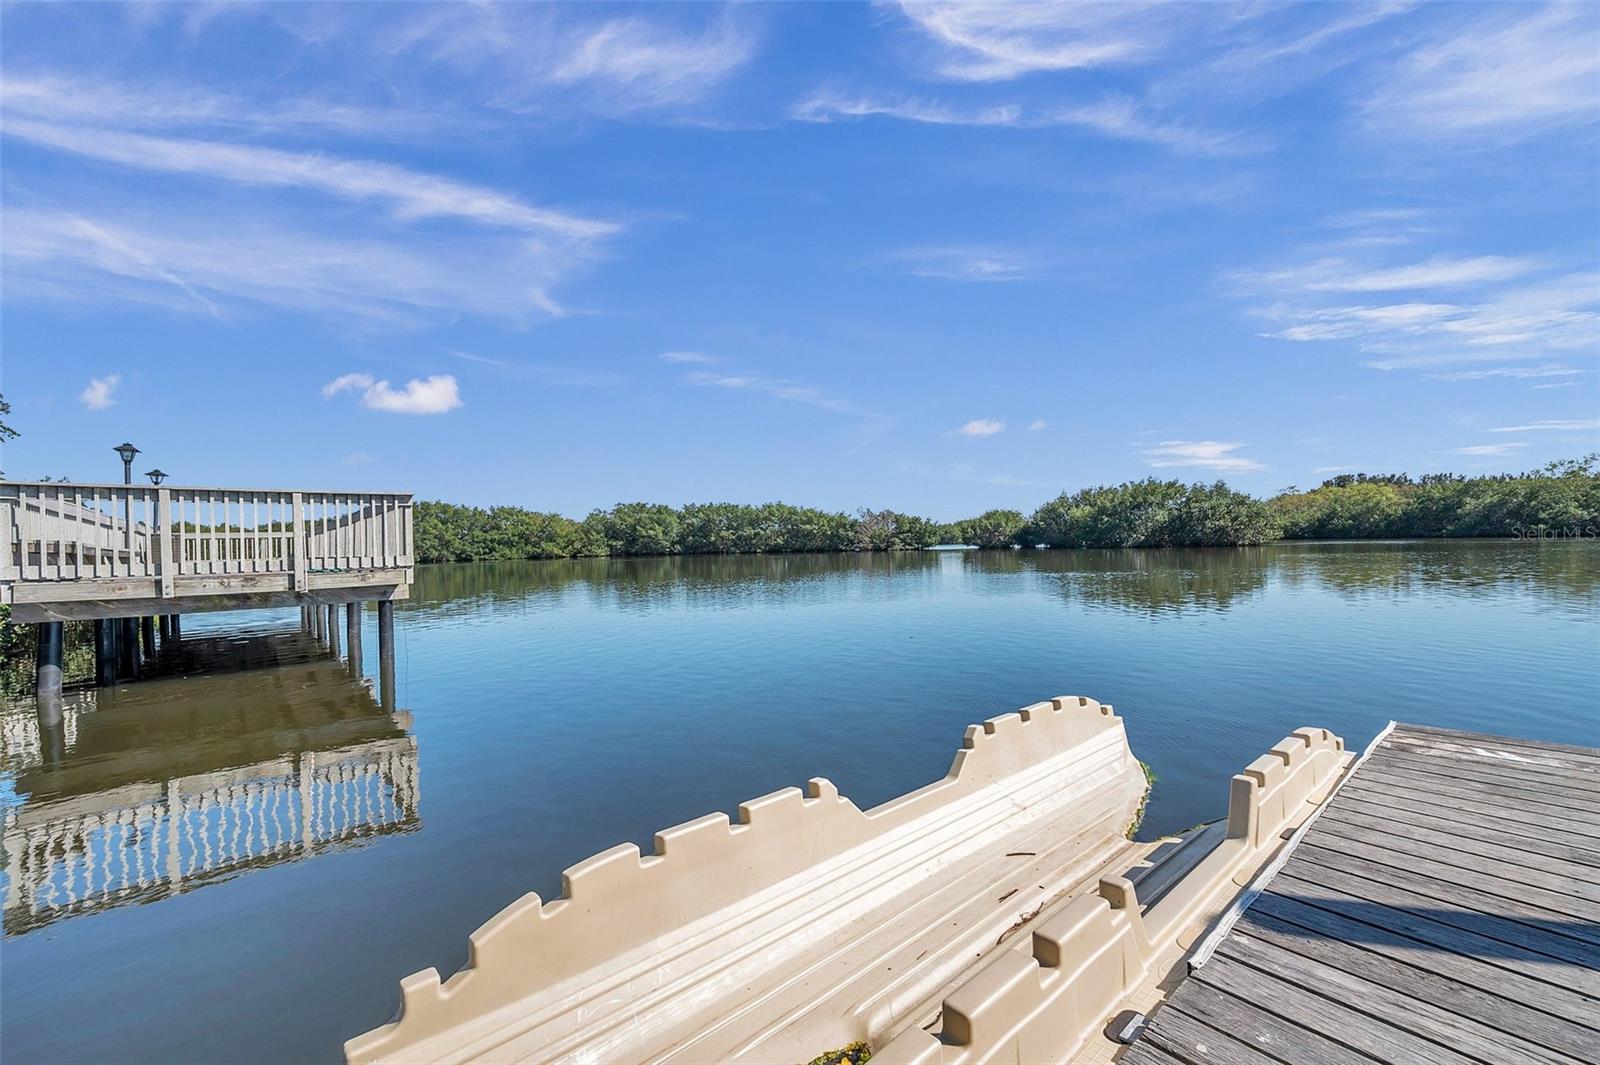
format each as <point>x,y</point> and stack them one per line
<point>778,388</point>
<point>357,458</point>
<point>684,357</point>
<point>830,107</point>
<point>1514,72</point>
<point>1202,454</point>
<point>998,42</point>
<point>1552,425</point>
<point>1517,372</point>
<point>1120,117</point>
<point>982,427</point>
<point>429,395</point>
<point>410,194</point>
<point>1446,309</point>
<point>538,58</point>
<point>1037,424</point>
<point>1125,118</point>
<point>56,97</point>
<point>183,263</point>
<point>1490,449</point>
<point>965,472</point>
<point>968,263</point>
<point>1340,275</point>
<point>482,360</point>
<point>100,392</point>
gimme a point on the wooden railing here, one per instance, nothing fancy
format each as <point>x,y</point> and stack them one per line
<point>68,532</point>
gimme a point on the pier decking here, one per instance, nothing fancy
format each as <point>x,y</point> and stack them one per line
<point>124,555</point>
<point>1443,908</point>
<point>95,551</point>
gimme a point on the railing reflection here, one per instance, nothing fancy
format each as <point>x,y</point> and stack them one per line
<point>136,800</point>
<point>148,841</point>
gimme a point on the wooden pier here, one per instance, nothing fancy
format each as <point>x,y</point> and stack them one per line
<point>124,555</point>
<point>1444,907</point>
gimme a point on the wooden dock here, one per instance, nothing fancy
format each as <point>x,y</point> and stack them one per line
<point>124,556</point>
<point>1444,907</point>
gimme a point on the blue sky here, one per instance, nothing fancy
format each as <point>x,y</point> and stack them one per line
<point>934,257</point>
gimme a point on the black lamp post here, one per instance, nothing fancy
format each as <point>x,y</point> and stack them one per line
<point>127,451</point>
<point>156,476</point>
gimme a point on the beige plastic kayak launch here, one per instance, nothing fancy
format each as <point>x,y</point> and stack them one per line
<point>809,924</point>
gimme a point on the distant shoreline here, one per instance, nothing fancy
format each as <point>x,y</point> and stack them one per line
<point>1561,501</point>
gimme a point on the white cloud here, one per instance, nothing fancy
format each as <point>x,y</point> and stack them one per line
<point>648,65</point>
<point>1489,449</point>
<point>100,393</point>
<point>1489,307</point>
<point>410,194</point>
<point>1120,117</point>
<point>58,98</point>
<point>684,357</point>
<point>969,263</point>
<point>1339,275</point>
<point>1037,424</point>
<point>778,389</point>
<point>1203,454</point>
<point>982,427</point>
<point>539,58</point>
<point>357,458</point>
<point>1518,372</point>
<point>1552,425</point>
<point>1515,72</point>
<point>828,107</point>
<point>1125,119</point>
<point>996,42</point>
<point>183,262</point>
<point>429,395</point>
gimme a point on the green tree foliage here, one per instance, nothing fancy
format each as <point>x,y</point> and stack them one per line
<point>642,529</point>
<point>1562,498</point>
<point>994,528</point>
<point>888,530</point>
<point>1152,513</point>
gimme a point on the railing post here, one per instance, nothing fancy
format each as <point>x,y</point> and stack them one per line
<point>11,527</point>
<point>162,547</point>
<point>299,544</point>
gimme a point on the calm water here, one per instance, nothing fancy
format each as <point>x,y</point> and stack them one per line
<point>240,867</point>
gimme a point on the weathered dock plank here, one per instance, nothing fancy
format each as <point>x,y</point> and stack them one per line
<point>1443,908</point>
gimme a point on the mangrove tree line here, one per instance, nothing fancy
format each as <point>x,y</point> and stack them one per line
<point>1561,499</point>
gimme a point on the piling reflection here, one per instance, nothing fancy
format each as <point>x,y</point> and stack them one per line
<point>133,794</point>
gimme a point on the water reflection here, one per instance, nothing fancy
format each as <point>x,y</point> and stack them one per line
<point>138,793</point>
<point>1149,582</point>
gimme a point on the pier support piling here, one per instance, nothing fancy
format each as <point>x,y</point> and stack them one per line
<point>352,637</point>
<point>176,626</point>
<point>127,648</point>
<point>147,634</point>
<point>333,630</point>
<point>52,642</point>
<point>105,652</point>
<point>317,617</point>
<point>386,653</point>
